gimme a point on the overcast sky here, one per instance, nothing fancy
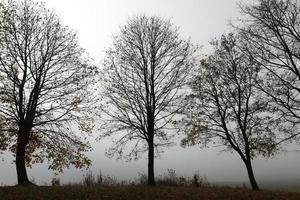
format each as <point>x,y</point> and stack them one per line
<point>202,20</point>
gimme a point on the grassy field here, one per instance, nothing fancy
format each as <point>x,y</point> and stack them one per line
<point>139,193</point>
<point>283,185</point>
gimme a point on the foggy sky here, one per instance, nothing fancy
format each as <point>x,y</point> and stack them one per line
<point>202,20</point>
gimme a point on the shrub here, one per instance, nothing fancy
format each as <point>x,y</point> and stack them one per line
<point>169,179</point>
<point>55,181</point>
<point>183,181</point>
<point>199,181</point>
<point>99,179</point>
<point>142,178</point>
<point>110,180</point>
<point>89,179</point>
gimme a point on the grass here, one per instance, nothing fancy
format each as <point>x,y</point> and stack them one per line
<point>284,185</point>
<point>139,193</point>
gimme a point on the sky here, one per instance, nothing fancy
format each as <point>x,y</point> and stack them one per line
<point>96,21</point>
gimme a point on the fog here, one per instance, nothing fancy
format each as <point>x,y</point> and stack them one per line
<point>96,21</point>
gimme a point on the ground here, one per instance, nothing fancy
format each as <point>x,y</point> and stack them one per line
<point>139,193</point>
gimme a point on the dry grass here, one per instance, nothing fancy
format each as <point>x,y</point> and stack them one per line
<point>139,193</point>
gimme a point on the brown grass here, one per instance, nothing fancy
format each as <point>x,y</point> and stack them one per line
<point>139,193</point>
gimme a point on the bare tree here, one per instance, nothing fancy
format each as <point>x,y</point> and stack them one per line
<point>272,34</point>
<point>144,72</point>
<point>226,108</point>
<point>44,88</point>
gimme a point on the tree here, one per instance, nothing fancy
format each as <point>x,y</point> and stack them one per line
<point>144,72</point>
<point>272,34</point>
<point>44,90</point>
<point>225,106</point>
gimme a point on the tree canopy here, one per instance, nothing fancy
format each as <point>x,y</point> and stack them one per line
<point>144,73</point>
<point>44,87</point>
<point>226,107</point>
<point>271,32</point>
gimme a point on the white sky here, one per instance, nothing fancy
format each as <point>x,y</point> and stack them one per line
<point>97,20</point>
<point>202,20</point>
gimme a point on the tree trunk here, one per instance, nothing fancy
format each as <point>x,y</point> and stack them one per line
<point>20,160</point>
<point>251,175</point>
<point>151,180</point>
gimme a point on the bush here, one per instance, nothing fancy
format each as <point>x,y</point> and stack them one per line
<point>199,181</point>
<point>142,178</point>
<point>168,179</point>
<point>99,179</point>
<point>171,179</point>
<point>55,181</point>
<point>110,181</point>
<point>89,179</point>
<point>183,181</point>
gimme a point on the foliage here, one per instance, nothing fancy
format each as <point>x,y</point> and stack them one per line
<point>271,32</point>
<point>44,90</point>
<point>89,179</point>
<point>143,73</point>
<point>168,179</point>
<point>142,179</point>
<point>172,179</point>
<point>226,105</point>
<point>55,181</point>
